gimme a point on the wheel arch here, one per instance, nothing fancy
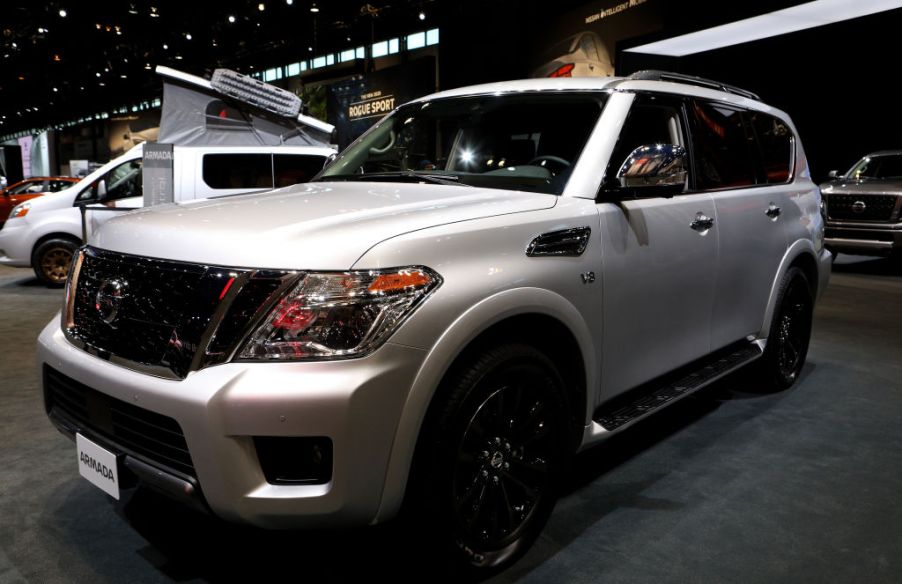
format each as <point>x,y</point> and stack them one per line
<point>800,254</point>
<point>535,316</point>
<point>54,235</point>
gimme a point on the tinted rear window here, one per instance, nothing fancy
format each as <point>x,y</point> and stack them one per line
<point>291,169</point>
<point>775,142</point>
<point>238,171</point>
<point>723,154</point>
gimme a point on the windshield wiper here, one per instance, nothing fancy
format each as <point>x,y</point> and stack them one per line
<point>444,179</point>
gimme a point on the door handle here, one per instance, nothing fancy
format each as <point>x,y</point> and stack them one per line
<point>773,211</point>
<point>701,222</point>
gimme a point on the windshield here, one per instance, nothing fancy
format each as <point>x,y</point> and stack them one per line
<point>886,166</point>
<point>525,141</point>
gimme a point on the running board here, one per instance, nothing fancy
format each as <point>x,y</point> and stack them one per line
<point>648,399</point>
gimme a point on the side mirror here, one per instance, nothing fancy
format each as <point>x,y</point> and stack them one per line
<point>833,174</point>
<point>654,166</point>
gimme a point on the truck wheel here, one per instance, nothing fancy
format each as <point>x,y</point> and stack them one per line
<point>493,457</point>
<point>790,332</point>
<point>51,260</point>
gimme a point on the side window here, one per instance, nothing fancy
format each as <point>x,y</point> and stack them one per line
<point>652,120</point>
<point>238,171</point>
<point>775,142</point>
<point>291,169</point>
<point>58,185</point>
<point>723,154</point>
<point>121,182</point>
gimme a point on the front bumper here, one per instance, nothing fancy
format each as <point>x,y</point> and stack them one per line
<point>863,238</point>
<point>356,403</point>
<point>14,249</point>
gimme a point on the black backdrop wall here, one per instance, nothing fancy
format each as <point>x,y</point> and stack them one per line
<point>835,81</point>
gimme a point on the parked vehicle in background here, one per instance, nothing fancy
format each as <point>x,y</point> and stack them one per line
<point>489,280</point>
<point>30,188</point>
<point>43,233</point>
<point>864,206</point>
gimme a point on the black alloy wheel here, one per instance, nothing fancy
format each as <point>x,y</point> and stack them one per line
<point>498,451</point>
<point>787,343</point>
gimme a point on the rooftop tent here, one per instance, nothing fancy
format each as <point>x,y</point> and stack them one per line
<point>233,110</point>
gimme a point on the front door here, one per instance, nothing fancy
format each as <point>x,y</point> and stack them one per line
<point>659,269</point>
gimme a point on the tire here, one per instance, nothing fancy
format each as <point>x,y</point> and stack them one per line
<point>488,465</point>
<point>51,261</point>
<point>790,332</point>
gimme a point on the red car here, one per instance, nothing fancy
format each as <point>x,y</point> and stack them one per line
<point>30,188</point>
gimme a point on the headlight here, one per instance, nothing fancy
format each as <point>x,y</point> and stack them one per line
<point>340,315</point>
<point>20,210</point>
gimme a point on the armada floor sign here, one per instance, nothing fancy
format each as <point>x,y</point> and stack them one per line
<point>159,187</point>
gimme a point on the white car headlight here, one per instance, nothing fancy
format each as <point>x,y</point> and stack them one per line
<point>20,210</point>
<point>340,315</point>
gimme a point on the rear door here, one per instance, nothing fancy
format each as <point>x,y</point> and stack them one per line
<point>748,184</point>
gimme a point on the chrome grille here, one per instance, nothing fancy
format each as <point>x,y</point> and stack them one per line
<point>875,207</point>
<point>167,317</point>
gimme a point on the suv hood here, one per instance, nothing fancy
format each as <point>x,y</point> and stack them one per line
<point>312,226</point>
<point>863,187</point>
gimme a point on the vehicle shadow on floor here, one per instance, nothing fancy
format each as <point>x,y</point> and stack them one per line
<point>867,265</point>
<point>592,465</point>
<point>186,545</point>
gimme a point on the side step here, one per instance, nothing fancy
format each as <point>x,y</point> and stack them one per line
<point>641,402</point>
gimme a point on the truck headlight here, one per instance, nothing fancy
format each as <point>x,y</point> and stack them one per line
<point>340,315</point>
<point>20,210</point>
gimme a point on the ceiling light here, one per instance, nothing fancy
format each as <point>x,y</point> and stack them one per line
<point>289,2</point>
<point>178,57</point>
<point>41,30</point>
<point>55,90</point>
<point>796,18</point>
<point>422,15</point>
<point>188,35</point>
<point>63,13</point>
<point>165,47</point>
<point>147,66</point>
<point>153,12</point>
<point>14,45</point>
<point>98,74</point>
<point>132,9</point>
<point>231,18</point>
<point>313,8</point>
<point>261,7</point>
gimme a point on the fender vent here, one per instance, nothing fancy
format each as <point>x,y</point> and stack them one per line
<point>567,242</point>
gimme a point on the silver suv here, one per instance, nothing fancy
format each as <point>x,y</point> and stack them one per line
<point>488,281</point>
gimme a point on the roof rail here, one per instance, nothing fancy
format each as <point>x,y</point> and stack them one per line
<point>655,75</point>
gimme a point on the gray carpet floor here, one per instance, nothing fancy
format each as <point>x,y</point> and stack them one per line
<point>729,485</point>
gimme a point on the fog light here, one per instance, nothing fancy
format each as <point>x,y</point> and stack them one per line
<point>295,460</point>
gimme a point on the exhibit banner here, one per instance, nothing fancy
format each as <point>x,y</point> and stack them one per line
<point>355,104</point>
<point>583,42</point>
<point>157,174</point>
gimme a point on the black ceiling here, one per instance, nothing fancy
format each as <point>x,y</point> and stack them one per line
<point>100,55</point>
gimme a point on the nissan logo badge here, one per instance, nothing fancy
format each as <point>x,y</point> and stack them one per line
<point>109,299</point>
<point>858,207</point>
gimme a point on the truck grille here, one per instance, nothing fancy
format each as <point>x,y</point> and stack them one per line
<point>876,207</point>
<point>159,314</point>
<point>151,436</point>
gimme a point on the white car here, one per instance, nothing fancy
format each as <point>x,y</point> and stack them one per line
<point>43,233</point>
<point>488,281</point>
